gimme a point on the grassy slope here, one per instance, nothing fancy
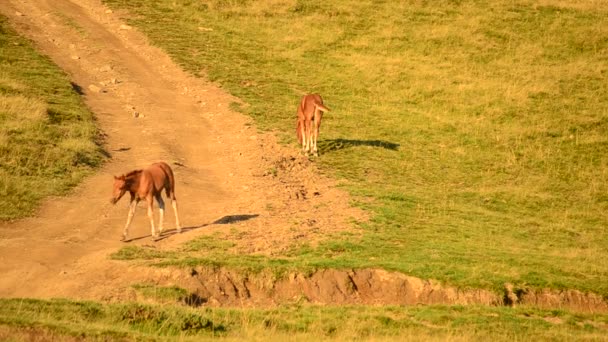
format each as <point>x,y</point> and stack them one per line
<point>47,135</point>
<point>69,320</point>
<point>475,131</point>
<point>485,163</point>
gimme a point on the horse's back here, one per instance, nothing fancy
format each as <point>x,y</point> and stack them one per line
<point>162,177</point>
<point>308,102</point>
<point>166,169</point>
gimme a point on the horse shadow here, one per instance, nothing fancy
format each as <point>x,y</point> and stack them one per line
<point>77,88</point>
<point>234,218</point>
<point>340,144</point>
<point>228,219</point>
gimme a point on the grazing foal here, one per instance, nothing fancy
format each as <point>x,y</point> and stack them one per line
<point>147,184</point>
<point>310,113</point>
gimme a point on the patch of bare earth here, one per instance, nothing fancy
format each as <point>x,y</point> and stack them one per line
<point>229,178</point>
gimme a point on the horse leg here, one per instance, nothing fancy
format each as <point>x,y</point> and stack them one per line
<point>132,206</point>
<point>302,128</point>
<point>315,134</point>
<point>150,201</point>
<point>308,135</point>
<point>161,209</point>
<point>177,225</point>
<point>312,137</point>
<point>170,192</point>
<point>314,143</point>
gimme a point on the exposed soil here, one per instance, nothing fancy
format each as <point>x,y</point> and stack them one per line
<point>223,287</point>
<point>229,177</point>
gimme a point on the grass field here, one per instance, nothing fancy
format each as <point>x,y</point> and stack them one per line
<point>48,138</point>
<point>66,320</point>
<point>475,132</point>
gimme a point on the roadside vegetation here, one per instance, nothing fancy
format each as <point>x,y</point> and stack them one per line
<point>48,138</point>
<point>475,132</point>
<point>65,320</point>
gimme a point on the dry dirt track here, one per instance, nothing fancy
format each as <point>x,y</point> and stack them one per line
<point>219,159</point>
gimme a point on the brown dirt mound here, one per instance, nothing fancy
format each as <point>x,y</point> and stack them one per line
<point>218,286</point>
<point>366,286</point>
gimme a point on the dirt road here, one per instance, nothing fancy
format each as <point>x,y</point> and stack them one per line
<point>150,110</point>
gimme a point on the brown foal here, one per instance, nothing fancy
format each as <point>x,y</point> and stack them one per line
<point>147,184</point>
<point>310,114</point>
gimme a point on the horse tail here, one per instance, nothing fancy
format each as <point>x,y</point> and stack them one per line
<point>321,107</point>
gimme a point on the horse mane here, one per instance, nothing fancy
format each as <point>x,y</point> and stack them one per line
<point>132,177</point>
<point>133,173</point>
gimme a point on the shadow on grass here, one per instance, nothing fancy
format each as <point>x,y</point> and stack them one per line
<point>340,144</point>
<point>223,220</point>
<point>77,88</point>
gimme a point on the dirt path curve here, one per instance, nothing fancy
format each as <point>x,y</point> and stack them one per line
<point>221,163</point>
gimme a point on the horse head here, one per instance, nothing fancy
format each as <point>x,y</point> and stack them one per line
<point>119,189</point>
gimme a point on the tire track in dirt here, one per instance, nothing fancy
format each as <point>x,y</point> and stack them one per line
<point>149,110</point>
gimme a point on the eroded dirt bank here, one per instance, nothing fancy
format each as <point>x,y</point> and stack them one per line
<point>216,286</point>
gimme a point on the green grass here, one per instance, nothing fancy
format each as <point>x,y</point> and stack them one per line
<point>48,138</point>
<point>79,320</point>
<point>475,132</point>
<point>212,251</point>
<point>161,294</point>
